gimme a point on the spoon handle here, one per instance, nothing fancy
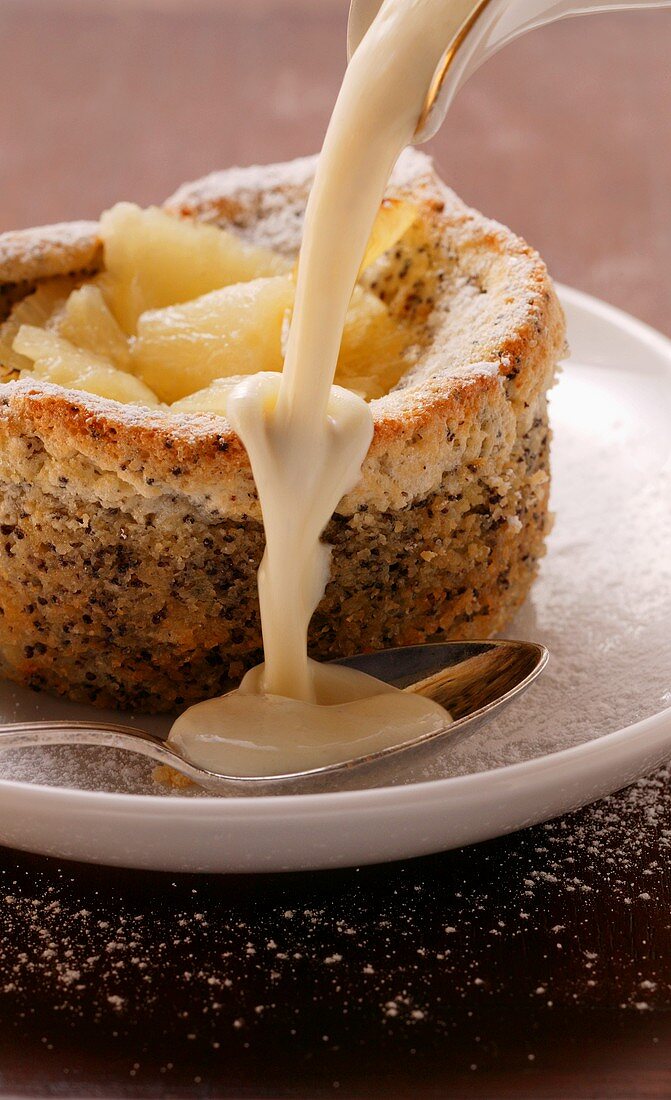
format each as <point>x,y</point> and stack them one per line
<point>25,735</point>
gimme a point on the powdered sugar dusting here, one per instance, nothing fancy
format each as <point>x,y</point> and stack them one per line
<point>407,951</point>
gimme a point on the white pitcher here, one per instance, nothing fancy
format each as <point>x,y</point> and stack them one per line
<point>487,26</point>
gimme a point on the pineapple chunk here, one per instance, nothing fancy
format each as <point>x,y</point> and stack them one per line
<point>212,399</point>
<point>54,359</point>
<point>36,309</point>
<point>372,347</point>
<point>370,361</point>
<point>88,322</point>
<point>235,330</point>
<point>207,306</point>
<point>154,260</point>
<point>394,218</point>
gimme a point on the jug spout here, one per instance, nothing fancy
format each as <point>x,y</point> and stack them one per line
<point>488,26</point>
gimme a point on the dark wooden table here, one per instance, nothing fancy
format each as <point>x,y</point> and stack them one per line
<point>535,966</point>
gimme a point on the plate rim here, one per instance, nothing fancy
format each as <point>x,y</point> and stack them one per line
<point>378,798</point>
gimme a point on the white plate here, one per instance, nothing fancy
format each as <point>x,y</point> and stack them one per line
<point>598,718</point>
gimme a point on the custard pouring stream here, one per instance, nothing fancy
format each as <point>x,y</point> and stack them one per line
<point>306,438</point>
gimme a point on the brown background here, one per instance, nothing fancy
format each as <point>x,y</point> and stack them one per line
<point>564,135</point>
<point>535,966</point>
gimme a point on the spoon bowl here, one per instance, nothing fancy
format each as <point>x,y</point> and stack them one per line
<point>471,680</point>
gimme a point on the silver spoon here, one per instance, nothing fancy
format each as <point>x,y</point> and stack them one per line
<point>471,680</point>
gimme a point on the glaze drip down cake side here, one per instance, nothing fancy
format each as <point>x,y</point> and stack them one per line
<point>131,531</point>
